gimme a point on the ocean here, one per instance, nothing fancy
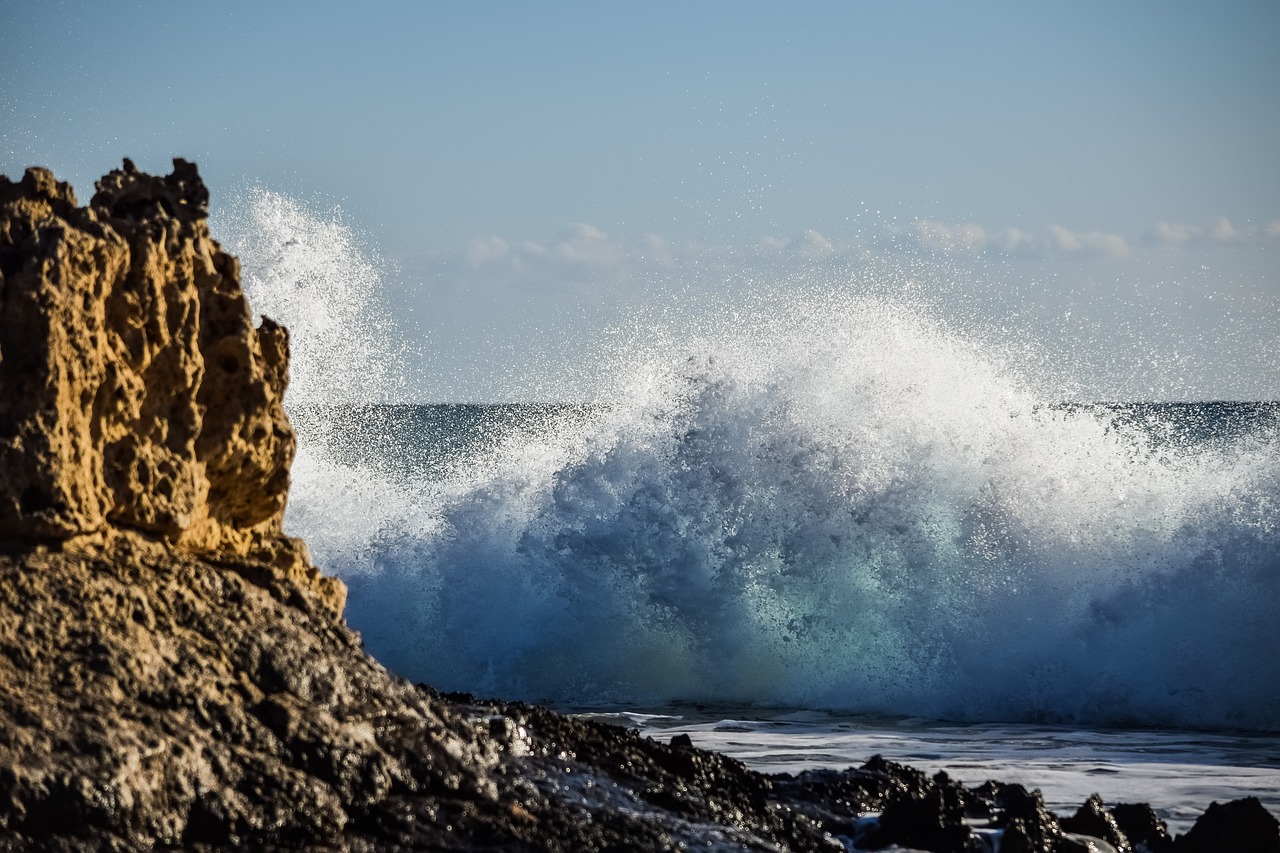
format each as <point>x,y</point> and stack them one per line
<point>758,588</point>
<point>831,525</point>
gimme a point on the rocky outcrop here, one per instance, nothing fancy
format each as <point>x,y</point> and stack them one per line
<point>1241,826</point>
<point>150,697</point>
<point>135,393</point>
<point>175,673</point>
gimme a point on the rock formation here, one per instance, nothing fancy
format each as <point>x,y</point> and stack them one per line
<point>135,393</point>
<point>174,672</point>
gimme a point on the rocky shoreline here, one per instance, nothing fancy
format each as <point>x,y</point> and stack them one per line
<point>175,673</point>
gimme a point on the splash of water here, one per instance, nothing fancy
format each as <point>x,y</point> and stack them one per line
<point>829,501</point>
<point>308,269</point>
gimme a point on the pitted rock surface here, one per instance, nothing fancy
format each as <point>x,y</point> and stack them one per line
<point>135,392</point>
<point>149,697</point>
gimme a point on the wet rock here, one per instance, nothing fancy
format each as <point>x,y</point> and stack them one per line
<point>1241,826</point>
<point>931,819</point>
<point>1028,827</point>
<point>1094,820</point>
<point>682,790</point>
<point>1143,827</point>
<point>835,800</point>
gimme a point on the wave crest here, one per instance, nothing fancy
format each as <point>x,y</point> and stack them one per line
<point>830,501</point>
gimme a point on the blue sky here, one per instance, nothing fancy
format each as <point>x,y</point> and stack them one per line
<point>523,166</point>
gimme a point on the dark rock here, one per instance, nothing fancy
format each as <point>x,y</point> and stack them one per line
<point>681,741</point>
<point>129,194</point>
<point>916,811</point>
<point>1094,820</point>
<point>1142,826</point>
<point>932,819</point>
<point>1028,826</point>
<point>1240,826</point>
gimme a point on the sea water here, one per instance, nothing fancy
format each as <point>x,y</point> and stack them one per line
<point>1069,752</point>
<point>831,523</point>
<point>1179,772</point>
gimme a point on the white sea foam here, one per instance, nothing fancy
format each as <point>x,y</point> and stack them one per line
<point>1177,772</point>
<point>828,500</point>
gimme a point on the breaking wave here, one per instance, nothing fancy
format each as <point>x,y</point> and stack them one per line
<point>828,501</point>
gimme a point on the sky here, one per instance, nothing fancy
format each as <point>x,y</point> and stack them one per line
<point>1103,176</point>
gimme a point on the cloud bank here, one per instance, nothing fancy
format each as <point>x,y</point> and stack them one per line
<point>1177,311</point>
<point>583,256</point>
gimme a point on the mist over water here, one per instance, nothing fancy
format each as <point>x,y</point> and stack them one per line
<point>826,499</point>
<point>311,271</point>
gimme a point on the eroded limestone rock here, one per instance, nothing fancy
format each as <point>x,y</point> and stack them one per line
<point>135,393</point>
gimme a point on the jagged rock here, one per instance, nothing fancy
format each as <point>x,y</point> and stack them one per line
<point>929,819</point>
<point>602,787</point>
<point>153,698</point>
<point>1028,827</point>
<point>1241,826</point>
<point>135,392</point>
<point>1142,826</point>
<point>1093,819</point>
<point>939,815</point>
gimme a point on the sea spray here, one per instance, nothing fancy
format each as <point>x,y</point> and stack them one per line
<point>309,270</point>
<point>826,500</point>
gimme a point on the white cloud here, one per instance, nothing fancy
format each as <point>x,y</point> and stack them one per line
<point>483,251</point>
<point>812,245</point>
<point>1012,241</point>
<point>585,244</point>
<point>657,248</point>
<point>584,258</point>
<point>1175,233</point>
<point>1086,242</point>
<point>1222,231</point>
<point>532,250</point>
<point>1058,240</point>
<point>941,237</point>
<point>579,251</point>
<point>972,238</point>
<point>969,237</point>
<point>772,245</point>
